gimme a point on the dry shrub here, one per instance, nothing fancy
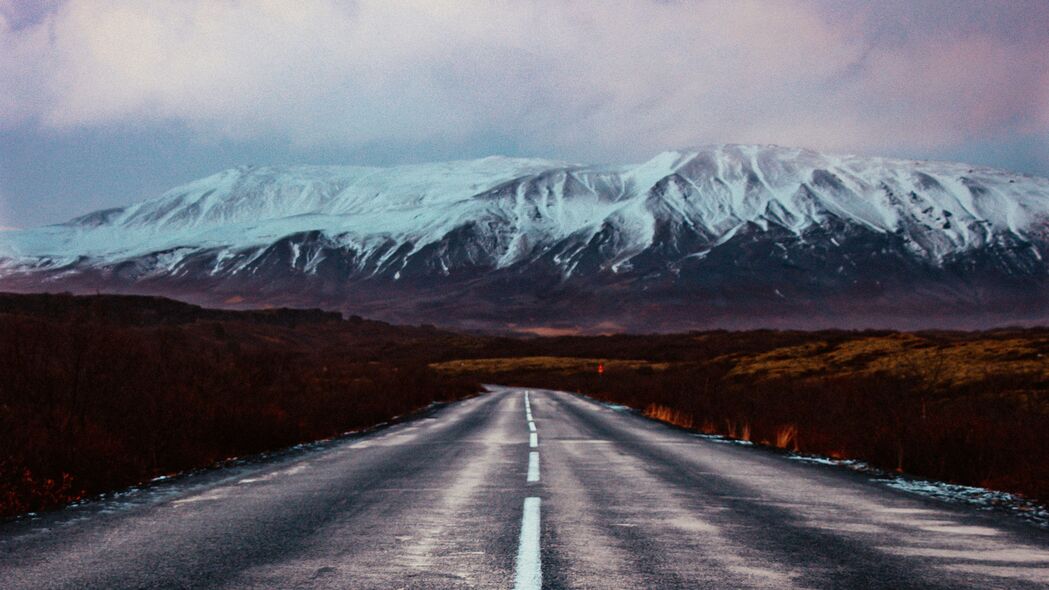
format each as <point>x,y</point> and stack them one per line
<point>970,408</point>
<point>739,430</point>
<point>89,403</point>
<point>669,415</point>
<point>786,437</point>
<point>102,392</point>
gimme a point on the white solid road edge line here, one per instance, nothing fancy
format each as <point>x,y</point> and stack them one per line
<point>529,565</point>
<point>533,466</point>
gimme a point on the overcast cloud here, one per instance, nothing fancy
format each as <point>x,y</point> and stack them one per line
<point>582,80</point>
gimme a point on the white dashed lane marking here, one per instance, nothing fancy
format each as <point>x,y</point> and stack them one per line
<point>529,575</point>
<point>529,566</point>
<point>533,467</point>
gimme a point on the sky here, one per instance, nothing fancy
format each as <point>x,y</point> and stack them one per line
<point>108,102</point>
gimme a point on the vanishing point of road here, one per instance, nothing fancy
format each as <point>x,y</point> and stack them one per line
<point>523,489</point>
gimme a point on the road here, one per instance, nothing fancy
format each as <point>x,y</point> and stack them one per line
<point>497,492</point>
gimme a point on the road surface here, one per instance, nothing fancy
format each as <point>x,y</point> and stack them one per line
<point>498,492</point>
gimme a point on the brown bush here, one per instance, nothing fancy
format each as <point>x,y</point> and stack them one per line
<point>89,403</point>
<point>970,408</point>
<point>102,392</point>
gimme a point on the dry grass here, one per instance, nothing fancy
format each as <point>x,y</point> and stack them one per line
<point>737,430</point>
<point>970,408</point>
<point>92,401</point>
<point>936,363</point>
<point>167,386</point>
<point>786,437</point>
<point>669,415</point>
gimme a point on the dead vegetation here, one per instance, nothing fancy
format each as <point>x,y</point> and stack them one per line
<point>970,408</point>
<point>100,396</point>
<point>102,392</point>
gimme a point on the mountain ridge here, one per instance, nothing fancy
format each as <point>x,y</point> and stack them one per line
<point>704,236</point>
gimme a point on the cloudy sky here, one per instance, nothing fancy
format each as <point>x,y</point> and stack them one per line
<point>107,102</point>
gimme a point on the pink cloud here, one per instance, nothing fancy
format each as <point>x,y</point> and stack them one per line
<point>587,77</point>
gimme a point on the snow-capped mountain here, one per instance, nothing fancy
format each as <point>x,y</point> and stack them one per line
<point>723,235</point>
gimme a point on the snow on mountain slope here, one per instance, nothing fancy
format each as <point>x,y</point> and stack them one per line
<point>249,205</point>
<point>667,221</point>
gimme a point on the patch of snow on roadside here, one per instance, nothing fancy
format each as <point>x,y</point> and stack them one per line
<point>981,498</point>
<point>717,438</point>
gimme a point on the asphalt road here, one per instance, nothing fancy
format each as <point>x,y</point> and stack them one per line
<point>467,497</point>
